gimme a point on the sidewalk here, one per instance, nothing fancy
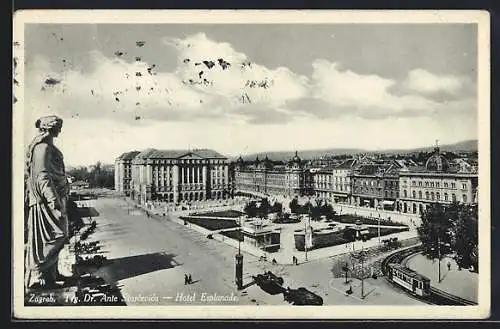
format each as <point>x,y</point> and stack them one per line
<point>461,283</point>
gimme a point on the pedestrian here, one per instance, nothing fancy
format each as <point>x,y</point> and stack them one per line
<point>186,279</point>
<point>449,266</point>
<point>190,279</point>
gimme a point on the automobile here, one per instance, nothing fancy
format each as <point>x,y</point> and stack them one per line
<point>269,282</point>
<point>302,296</point>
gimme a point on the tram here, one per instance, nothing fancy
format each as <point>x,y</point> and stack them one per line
<point>409,279</point>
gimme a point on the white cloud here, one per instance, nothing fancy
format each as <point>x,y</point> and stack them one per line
<point>425,82</point>
<point>120,90</point>
<point>366,95</point>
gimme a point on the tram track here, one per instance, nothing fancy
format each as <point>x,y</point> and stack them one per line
<point>437,296</point>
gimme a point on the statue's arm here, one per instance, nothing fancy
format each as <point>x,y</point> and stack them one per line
<point>41,159</point>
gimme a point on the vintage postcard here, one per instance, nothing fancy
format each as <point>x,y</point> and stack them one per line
<point>240,164</point>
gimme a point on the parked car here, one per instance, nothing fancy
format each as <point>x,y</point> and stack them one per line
<point>269,282</point>
<point>302,296</point>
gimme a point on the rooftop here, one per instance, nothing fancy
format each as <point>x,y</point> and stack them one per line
<point>175,154</point>
<point>128,155</point>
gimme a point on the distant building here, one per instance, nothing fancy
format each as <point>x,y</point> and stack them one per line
<point>322,182</point>
<point>333,182</point>
<point>123,172</point>
<point>376,184</point>
<point>175,176</point>
<point>438,181</point>
<point>342,181</point>
<point>266,178</point>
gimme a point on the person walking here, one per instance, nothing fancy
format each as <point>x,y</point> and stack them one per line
<point>449,266</point>
<point>186,279</point>
<point>190,279</point>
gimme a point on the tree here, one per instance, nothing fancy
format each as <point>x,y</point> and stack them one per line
<point>451,229</point>
<point>306,208</point>
<point>277,207</point>
<point>264,208</point>
<point>434,230</point>
<point>251,209</point>
<point>465,238</point>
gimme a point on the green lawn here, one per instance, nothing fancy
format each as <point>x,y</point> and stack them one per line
<point>225,213</point>
<point>211,224</point>
<point>351,219</point>
<point>338,238</point>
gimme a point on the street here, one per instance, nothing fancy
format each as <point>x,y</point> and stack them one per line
<point>148,258</point>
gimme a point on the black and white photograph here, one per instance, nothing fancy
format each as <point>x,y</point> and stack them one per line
<point>225,164</point>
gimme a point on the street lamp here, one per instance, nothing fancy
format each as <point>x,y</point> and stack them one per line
<point>378,227</point>
<point>361,257</point>
<point>239,261</point>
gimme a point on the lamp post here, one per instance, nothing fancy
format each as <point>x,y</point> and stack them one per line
<point>439,259</point>
<point>378,227</point>
<point>305,238</point>
<point>239,262</point>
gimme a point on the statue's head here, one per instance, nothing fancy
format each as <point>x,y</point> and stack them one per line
<point>50,124</point>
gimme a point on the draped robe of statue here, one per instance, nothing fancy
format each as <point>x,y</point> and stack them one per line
<point>47,220</point>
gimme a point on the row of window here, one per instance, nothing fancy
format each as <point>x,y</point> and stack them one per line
<point>434,196</point>
<point>438,184</point>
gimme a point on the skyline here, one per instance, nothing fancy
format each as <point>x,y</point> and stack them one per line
<point>306,87</point>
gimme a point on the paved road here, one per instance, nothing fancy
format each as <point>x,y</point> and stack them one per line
<point>149,257</point>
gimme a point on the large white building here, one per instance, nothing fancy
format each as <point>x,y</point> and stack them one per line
<point>180,175</point>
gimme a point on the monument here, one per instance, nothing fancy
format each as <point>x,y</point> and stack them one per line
<point>46,218</point>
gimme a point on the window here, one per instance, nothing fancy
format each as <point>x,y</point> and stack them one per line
<point>445,184</point>
<point>427,195</point>
<point>405,193</point>
<point>446,197</point>
<point>432,184</point>
<point>464,198</point>
<point>453,197</point>
<point>464,186</point>
<point>414,183</point>
<point>420,184</point>
<point>437,184</point>
<point>426,184</point>
<point>438,196</point>
<point>453,185</point>
<point>432,196</point>
<point>414,194</point>
<point>420,194</point>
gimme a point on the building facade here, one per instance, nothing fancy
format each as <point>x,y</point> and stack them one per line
<point>175,176</point>
<point>323,183</point>
<point>266,178</point>
<point>438,181</point>
<point>123,172</point>
<point>342,181</point>
<point>376,185</point>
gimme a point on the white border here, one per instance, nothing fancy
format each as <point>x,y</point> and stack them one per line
<point>259,312</point>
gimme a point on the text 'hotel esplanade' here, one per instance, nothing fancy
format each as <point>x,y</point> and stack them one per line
<point>174,175</point>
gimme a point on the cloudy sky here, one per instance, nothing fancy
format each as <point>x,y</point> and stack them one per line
<point>250,88</point>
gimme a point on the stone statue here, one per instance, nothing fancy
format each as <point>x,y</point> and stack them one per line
<point>46,194</point>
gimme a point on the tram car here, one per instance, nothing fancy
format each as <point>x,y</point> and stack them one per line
<point>409,279</point>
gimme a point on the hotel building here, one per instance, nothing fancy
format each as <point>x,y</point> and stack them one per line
<point>174,176</point>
